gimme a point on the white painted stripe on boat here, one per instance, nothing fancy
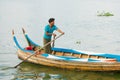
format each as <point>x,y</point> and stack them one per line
<point>89,52</point>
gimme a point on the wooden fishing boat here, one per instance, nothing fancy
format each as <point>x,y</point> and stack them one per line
<point>70,58</point>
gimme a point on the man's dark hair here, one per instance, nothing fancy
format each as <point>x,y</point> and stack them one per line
<point>51,20</point>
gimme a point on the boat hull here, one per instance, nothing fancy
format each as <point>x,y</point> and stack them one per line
<point>78,66</point>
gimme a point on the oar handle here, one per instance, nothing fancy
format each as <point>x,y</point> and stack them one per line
<point>53,44</point>
<point>37,51</point>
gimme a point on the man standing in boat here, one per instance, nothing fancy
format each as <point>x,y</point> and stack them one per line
<point>49,29</point>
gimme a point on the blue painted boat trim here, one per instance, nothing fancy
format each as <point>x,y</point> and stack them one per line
<point>19,47</point>
<point>31,42</point>
<point>66,50</point>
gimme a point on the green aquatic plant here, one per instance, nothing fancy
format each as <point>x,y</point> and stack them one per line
<point>78,42</point>
<point>104,13</point>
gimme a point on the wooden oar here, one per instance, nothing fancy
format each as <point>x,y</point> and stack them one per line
<point>37,51</point>
<point>53,44</point>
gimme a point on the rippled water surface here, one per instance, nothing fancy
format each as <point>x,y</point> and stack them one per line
<point>77,18</point>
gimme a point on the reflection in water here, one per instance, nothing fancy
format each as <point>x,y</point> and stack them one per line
<point>29,76</point>
<point>28,71</point>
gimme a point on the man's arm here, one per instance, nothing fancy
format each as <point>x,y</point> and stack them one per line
<point>50,34</point>
<point>60,31</point>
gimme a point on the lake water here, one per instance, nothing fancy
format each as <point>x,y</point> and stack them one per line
<point>77,18</point>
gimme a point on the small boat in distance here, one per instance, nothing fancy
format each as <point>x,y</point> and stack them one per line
<point>69,58</point>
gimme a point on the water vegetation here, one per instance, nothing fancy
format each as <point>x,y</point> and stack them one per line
<point>104,13</point>
<point>78,42</point>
